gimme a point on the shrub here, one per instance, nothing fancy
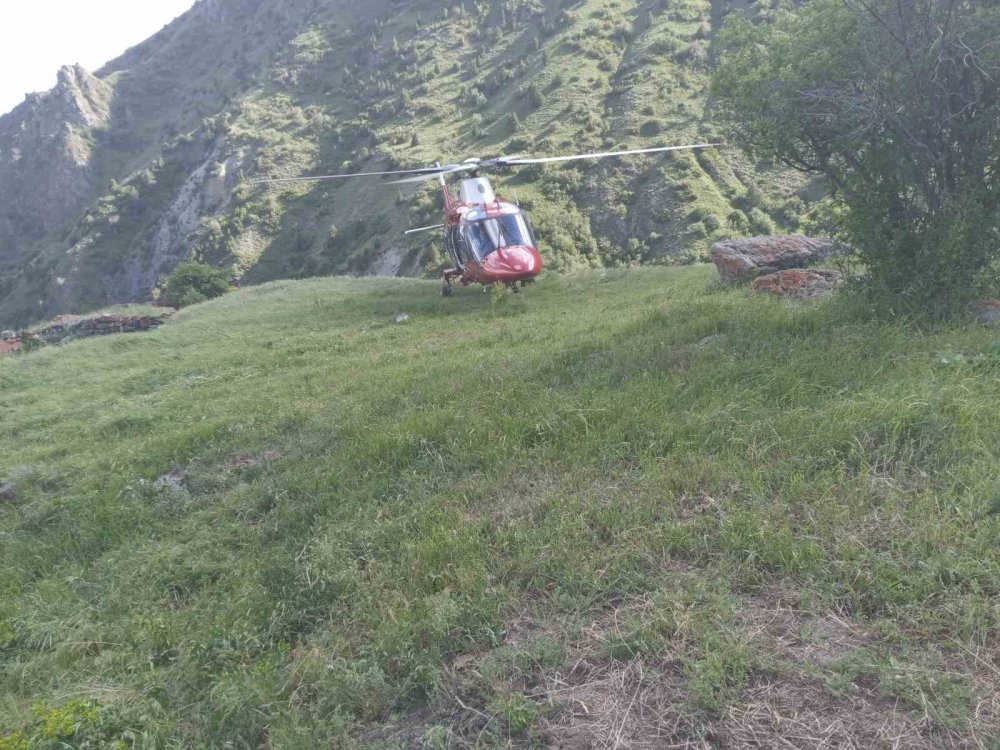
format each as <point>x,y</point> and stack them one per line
<point>651,128</point>
<point>535,96</point>
<point>193,282</point>
<point>738,221</point>
<point>898,104</point>
<point>760,222</point>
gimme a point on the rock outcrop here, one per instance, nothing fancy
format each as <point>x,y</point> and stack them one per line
<point>79,328</point>
<point>987,312</point>
<point>45,154</point>
<point>103,325</point>
<point>799,283</point>
<point>746,259</point>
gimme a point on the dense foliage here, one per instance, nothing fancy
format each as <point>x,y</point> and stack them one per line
<point>191,283</point>
<point>898,104</point>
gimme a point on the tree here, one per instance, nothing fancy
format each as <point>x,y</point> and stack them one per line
<point>194,282</point>
<point>535,96</point>
<point>897,102</point>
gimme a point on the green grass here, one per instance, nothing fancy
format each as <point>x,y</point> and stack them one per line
<point>619,488</point>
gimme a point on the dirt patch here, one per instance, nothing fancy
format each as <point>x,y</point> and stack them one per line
<point>645,704</point>
<point>595,702</point>
<point>638,705</point>
<point>240,461</point>
<point>618,705</point>
<point>520,629</point>
<point>774,620</point>
<point>800,713</point>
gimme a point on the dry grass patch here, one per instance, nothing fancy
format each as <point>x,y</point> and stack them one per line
<point>777,712</point>
<point>774,620</point>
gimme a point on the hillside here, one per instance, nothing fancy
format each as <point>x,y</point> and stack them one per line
<point>625,509</point>
<point>112,178</point>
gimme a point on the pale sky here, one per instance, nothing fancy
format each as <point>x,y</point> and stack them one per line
<point>37,37</point>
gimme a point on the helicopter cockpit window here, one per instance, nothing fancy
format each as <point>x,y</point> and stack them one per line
<point>488,235</point>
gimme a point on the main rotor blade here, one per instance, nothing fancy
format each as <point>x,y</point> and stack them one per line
<point>319,178</point>
<point>438,172</point>
<point>420,178</point>
<point>518,162</point>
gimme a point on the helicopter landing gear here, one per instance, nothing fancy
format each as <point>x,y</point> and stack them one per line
<point>447,276</point>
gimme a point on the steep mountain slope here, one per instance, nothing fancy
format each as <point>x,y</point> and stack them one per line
<point>627,508</point>
<point>110,180</point>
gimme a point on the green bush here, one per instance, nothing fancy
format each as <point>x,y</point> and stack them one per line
<point>192,282</point>
<point>651,128</point>
<point>738,221</point>
<point>898,105</point>
<point>760,222</point>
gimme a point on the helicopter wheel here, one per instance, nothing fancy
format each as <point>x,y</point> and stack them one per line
<point>446,290</point>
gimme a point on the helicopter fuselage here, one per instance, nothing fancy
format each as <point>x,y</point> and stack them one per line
<point>488,240</point>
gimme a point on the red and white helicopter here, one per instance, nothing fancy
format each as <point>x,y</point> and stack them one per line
<point>489,240</point>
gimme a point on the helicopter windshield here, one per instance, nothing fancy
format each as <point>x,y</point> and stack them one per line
<point>489,235</point>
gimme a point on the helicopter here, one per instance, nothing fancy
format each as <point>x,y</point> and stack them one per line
<point>488,239</point>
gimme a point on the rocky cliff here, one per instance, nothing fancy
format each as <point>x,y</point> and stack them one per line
<point>46,149</point>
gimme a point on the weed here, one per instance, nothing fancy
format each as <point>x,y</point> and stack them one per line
<point>517,711</point>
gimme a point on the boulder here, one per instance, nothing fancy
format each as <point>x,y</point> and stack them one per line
<point>987,312</point>
<point>746,259</point>
<point>172,481</point>
<point>713,340</point>
<point>799,283</point>
<point>7,492</point>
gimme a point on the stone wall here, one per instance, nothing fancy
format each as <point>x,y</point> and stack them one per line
<point>79,328</point>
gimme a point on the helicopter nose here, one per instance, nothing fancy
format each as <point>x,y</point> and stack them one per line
<point>517,262</point>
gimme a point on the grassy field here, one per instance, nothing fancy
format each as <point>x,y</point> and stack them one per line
<point>625,509</point>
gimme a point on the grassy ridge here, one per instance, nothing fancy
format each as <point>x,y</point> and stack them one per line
<point>621,489</point>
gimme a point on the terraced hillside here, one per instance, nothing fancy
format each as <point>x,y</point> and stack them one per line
<point>626,508</point>
<point>114,178</point>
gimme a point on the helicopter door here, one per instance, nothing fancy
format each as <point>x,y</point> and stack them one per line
<point>453,245</point>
